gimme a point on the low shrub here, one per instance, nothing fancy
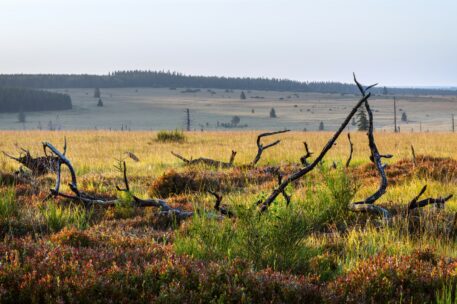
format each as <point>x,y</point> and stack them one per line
<point>171,136</point>
<point>275,239</point>
<point>387,279</point>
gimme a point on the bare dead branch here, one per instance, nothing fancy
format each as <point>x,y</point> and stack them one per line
<point>261,147</point>
<point>39,166</point>
<point>307,169</point>
<point>132,156</point>
<point>414,155</point>
<point>218,207</point>
<point>439,202</point>
<point>367,205</point>
<point>351,150</point>
<point>304,158</point>
<point>207,161</point>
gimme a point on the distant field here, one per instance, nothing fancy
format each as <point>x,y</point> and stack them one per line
<point>155,109</point>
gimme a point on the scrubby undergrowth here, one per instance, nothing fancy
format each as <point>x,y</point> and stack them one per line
<point>311,251</point>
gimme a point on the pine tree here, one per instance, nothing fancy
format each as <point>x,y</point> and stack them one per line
<point>100,103</point>
<point>362,120</point>
<point>384,91</point>
<point>242,96</point>
<point>404,117</point>
<point>273,113</point>
<point>321,126</point>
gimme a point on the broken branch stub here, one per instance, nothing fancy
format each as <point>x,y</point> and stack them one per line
<point>304,158</point>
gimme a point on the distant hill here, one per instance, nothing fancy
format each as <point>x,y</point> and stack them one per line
<point>28,100</point>
<point>160,79</point>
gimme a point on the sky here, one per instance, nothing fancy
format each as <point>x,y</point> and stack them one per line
<point>393,42</point>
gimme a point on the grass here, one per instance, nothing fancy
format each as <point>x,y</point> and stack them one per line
<point>57,217</point>
<point>313,250</point>
<point>8,205</point>
<point>171,136</point>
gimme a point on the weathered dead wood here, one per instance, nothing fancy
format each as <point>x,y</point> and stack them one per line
<point>261,148</point>
<point>208,161</point>
<point>317,160</point>
<point>218,207</point>
<point>367,205</point>
<point>438,202</point>
<point>89,200</point>
<point>414,155</point>
<point>39,166</point>
<point>132,156</point>
<point>304,158</point>
<point>351,150</point>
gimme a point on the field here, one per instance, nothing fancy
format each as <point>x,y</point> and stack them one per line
<point>313,250</point>
<point>158,109</point>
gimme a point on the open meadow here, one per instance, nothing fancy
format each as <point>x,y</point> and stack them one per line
<point>164,109</point>
<point>314,249</point>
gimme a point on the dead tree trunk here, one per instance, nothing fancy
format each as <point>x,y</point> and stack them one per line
<point>310,167</point>
<point>39,166</point>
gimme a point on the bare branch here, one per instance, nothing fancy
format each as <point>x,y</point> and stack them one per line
<point>261,147</point>
<point>208,161</point>
<point>318,159</point>
<point>415,203</point>
<point>304,158</point>
<point>351,150</point>
<point>218,207</point>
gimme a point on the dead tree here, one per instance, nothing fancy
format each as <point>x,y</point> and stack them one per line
<point>261,147</point>
<point>39,166</point>
<point>304,158</point>
<point>90,200</point>
<point>207,161</point>
<point>351,150</point>
<point>317,160</point>
<point>367,205</point>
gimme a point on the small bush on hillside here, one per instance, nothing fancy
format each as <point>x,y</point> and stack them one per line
<point>171,136</point>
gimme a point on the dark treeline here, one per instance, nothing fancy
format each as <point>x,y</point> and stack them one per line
<point>27,100</point>
<point>161,79</point>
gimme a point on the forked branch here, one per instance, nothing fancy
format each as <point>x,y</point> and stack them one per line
<point>261,148</point>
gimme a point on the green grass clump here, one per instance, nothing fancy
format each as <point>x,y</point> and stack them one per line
<point>275,239</point>
<point>57,217</point>
<point>8,205</point>
<point>171,136</point>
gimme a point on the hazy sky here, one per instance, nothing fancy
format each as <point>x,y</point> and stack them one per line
<point>394,42</point>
